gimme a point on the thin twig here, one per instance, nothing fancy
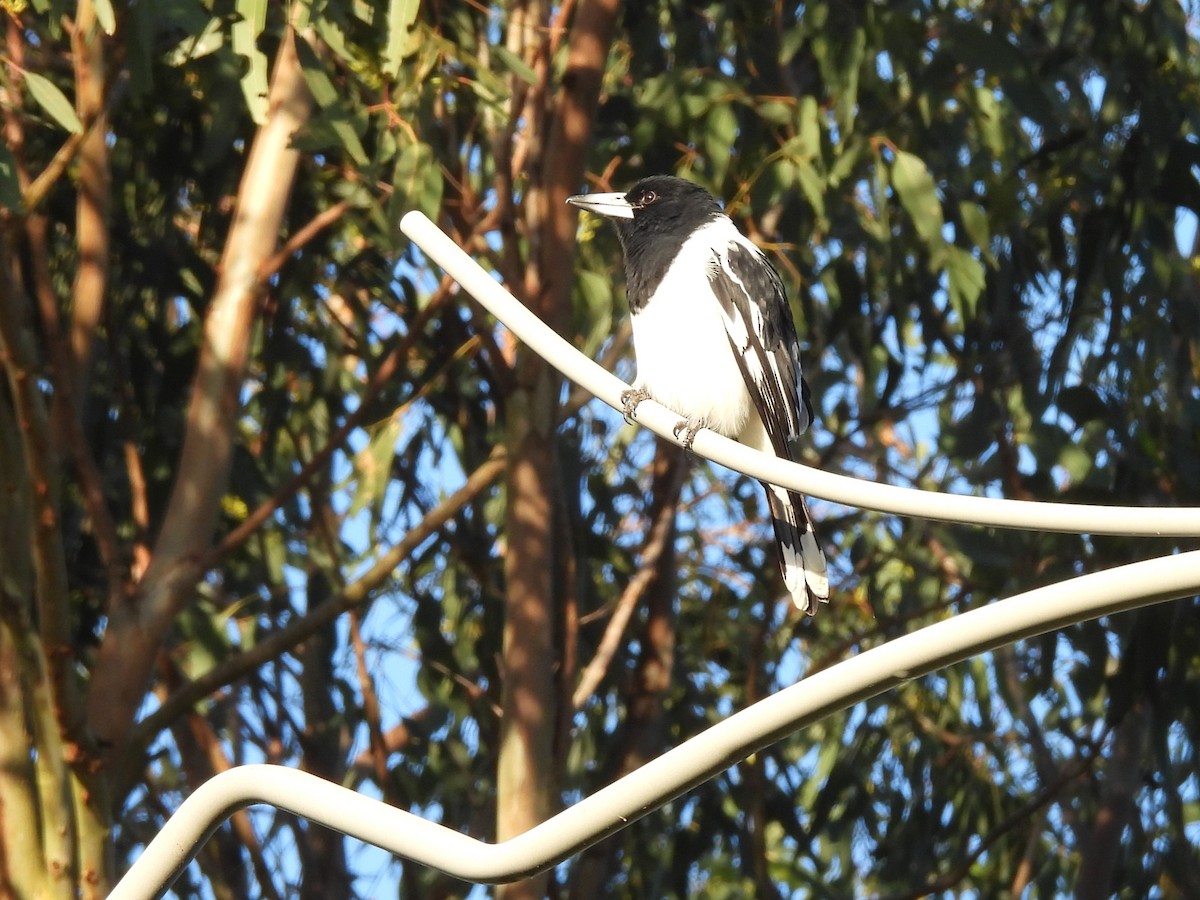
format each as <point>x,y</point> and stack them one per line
<point>302,236</point>
<point>378,751</point>
<point>657,542</point>
<point>286,638</point>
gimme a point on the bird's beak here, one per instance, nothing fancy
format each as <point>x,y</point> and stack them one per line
<point>612,205</point>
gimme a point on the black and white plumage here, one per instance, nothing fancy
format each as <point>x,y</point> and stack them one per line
<point>715,342</point>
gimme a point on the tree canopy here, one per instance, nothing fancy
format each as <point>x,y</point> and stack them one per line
<point>274,489</point>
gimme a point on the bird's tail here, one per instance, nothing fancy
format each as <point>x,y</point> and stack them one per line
<point>800,555</point>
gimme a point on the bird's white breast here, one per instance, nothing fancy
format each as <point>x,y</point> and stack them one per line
<point>683,354</point>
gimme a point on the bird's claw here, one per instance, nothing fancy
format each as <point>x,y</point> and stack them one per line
<point>630,400</point>
<point>690,428</point>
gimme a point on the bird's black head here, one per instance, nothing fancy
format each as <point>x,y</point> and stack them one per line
<point>658,206</point>
<point>654,219</point>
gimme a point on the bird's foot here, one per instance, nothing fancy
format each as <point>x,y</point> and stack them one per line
<point>689,427</point>
<point>630,400</point>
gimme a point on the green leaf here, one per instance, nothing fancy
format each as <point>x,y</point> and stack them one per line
<point>245,33</point>
<point>326,95</point>
<point>846,161</point>
<point>1077,462</point>
<point>416,181</point>
<point>975,223</point>
<point>812,185</point>
<point>966,278</point>
<point>596,292</point>
<point>989,120</point>
<point>319,83</point>
<point>515,64</point>
<point>809,131</point>
<point>852,64</point>
<point>776,112</point>
<point>918,195</point>
<point>334,36</point>
<point>209,40</point>
<point>719,138</point>
<point>400,17</point>
<point>826,758</point>
<point>879,225</point>
<point>104,15</point>
<point>53,101</point>
<point>205,642</point>
<point>373,465</point>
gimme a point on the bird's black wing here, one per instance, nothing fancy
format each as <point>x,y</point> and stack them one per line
<point>762,333</point>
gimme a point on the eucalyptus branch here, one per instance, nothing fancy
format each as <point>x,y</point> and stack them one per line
<point>282,641</point>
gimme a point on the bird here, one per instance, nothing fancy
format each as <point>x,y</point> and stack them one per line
<point>714,341</point>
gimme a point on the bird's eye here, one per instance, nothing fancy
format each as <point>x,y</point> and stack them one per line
<point>649,197</point>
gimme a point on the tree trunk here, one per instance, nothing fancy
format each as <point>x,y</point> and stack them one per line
<point>525,785</point>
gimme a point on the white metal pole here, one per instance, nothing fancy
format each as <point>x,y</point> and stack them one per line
<point>1084,519</point>
<point>677,770</point>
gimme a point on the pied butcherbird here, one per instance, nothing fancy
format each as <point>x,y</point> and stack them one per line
<point>715,342</point>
